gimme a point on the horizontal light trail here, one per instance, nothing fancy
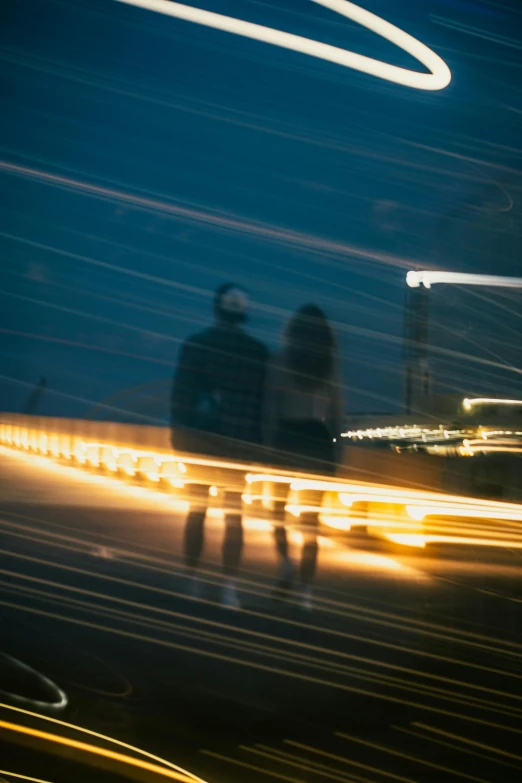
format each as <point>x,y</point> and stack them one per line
<point>469,403</point>
<point>415,279</point>
<point>439,77</point>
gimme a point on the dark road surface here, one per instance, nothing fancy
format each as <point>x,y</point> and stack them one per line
<point>408,669</point>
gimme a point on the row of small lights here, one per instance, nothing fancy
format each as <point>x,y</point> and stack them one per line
<point>401,432</point>
<point>124,461</point>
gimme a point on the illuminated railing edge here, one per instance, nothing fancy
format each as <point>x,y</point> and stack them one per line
<point>417,504</point>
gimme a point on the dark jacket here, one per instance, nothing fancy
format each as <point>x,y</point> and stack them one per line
<point>218,389</point>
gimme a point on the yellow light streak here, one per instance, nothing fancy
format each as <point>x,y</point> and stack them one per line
<point>186,776</point>
<point>96,751</point>
<point>23,777</point>
<point>438,78</point>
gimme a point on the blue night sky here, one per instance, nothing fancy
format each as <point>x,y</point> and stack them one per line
<point>150,159</point>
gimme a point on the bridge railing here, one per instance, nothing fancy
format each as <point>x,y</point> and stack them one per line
<point>390,494</point>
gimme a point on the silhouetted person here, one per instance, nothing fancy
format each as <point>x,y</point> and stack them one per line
<point>302,421</point>
<point>217,391</point>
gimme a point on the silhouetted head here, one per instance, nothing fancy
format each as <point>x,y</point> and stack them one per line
<point>230,304</point>
<point>309,346</point>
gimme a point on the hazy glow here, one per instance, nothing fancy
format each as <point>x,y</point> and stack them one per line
<point>428,278</point>
<point>438,78</point>
<point>416,512</point>
<point>420,540</point>
<point>336,523</point>
<point>407,539</point>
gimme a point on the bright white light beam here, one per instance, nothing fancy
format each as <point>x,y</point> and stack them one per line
<point>468,404</point>
<point>438,78</point>
<point>428,278</point>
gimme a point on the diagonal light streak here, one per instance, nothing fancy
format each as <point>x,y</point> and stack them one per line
<point>266,616</point>
<point>369,615</point>
<point>187,776</point>
<point>264,636</point>
<point>467,741</point>
<point>265,753</point>
<point>269,652</point>
<point>408,757</point>
<point>468,751</point>
<point>260,667</point>
<point>343,760</point>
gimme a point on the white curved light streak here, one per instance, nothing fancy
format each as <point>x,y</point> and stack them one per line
<point>438,78</point>
<point>427,278</point>
<point>61,699</point>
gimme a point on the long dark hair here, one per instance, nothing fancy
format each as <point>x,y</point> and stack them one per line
<point>309,347</point>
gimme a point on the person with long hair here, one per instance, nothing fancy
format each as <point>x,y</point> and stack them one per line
<point>302,422</point>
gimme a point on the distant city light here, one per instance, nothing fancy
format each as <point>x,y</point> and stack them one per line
<point>428,278</point>
<point>438,78</point>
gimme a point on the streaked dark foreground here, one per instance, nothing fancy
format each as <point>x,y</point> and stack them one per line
<point>413,659</point>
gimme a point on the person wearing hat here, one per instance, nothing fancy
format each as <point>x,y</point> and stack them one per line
<point>216,406</point>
